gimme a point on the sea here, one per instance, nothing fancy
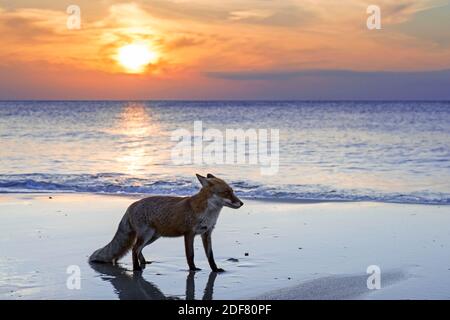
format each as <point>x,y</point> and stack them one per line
<point>396,152</point>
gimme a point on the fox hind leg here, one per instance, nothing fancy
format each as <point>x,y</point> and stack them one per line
<point>141,256</point>
<point>143,237</point>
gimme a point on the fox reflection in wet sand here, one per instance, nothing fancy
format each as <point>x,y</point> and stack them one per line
<point>133,286</point>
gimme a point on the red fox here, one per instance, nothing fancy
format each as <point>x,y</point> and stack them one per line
<point>150,218</point>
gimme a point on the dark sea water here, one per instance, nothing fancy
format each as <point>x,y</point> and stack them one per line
<point>381,151</point>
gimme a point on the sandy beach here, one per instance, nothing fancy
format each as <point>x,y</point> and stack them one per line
<point>270,250</point>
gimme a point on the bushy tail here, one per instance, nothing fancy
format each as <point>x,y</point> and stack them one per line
<point>121,243</point>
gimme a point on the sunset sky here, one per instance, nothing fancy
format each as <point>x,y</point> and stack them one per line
<point>233,49</point>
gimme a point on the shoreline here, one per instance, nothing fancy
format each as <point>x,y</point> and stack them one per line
<point>270,200</point>
<point>270,250</point>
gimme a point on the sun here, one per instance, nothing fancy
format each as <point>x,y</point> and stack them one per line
<point>136,57</point>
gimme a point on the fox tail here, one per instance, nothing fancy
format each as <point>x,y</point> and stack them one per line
<point>119,246</point>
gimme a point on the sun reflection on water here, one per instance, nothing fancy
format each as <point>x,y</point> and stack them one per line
<point>138,130</point>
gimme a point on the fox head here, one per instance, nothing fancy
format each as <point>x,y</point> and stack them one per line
<point>220,190</point>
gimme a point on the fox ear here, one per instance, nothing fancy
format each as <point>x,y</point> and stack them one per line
<point>209,175</point>
<point>202,179</point>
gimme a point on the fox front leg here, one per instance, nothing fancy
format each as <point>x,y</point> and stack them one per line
<point>207,244</point>
<point>189,247</point>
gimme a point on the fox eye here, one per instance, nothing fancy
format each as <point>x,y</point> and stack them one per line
<point>226,193</point>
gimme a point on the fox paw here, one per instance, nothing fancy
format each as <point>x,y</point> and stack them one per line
<point>194,269</point>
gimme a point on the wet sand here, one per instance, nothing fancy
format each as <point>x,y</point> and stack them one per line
<point>270,250</point>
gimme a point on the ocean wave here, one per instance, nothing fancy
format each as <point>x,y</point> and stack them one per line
<point>114,183</point>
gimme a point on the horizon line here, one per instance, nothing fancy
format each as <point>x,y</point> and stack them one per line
<point>225,100</point>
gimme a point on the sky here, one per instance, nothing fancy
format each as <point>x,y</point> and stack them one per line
<point>234,49</point>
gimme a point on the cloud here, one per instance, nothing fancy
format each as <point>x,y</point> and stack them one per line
<point>250,14</point>
<point>289,16</point>
<point>184,41</point>
<point>342,84</point>
<point>430,25</point>
<point>394,12</point>
<point>32,24</point>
